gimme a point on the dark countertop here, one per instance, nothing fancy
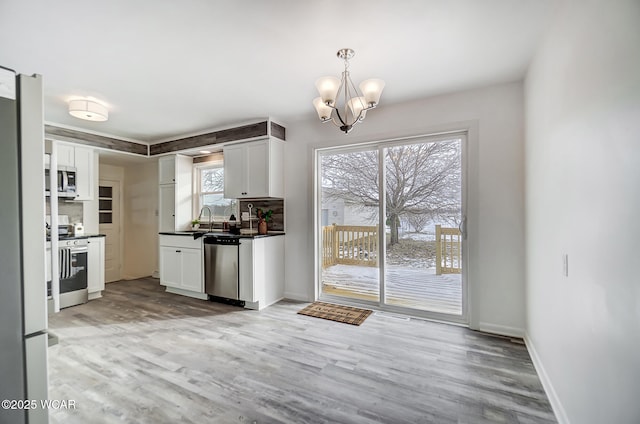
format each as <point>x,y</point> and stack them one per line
<point>220,233</point>
<point>84,236</point>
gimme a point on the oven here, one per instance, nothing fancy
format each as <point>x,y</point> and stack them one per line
<point>72,257</point>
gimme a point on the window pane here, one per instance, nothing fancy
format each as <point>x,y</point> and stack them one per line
<point>221,207</point>
<point>106,218</point>
<point>212,179</point>
<point>104,191</point>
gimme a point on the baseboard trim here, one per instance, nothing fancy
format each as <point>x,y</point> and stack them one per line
<point>297,296</point>
<point>556,405</point>
<point>502,330</point>
<point>201,296</point>
<point>95,295</point>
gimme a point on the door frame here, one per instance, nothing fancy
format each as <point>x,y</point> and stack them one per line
<point>463,134</point>
<point>117,181</point>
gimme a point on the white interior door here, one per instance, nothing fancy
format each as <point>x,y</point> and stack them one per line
<point>110,225</point>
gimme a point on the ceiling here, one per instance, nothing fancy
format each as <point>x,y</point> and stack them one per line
<point>167,69</point>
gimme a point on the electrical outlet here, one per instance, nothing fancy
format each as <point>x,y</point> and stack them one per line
<point>565,264</point>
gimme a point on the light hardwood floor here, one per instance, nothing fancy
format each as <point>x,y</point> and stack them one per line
<point>140,355</point>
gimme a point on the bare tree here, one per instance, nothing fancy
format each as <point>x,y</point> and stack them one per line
<point>417,221</point>
<point>421,178</point>
<point>213,179</point>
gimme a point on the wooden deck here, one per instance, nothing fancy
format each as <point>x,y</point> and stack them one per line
<point>407,287</point>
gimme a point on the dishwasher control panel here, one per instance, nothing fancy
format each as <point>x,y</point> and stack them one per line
<point>222,240</point>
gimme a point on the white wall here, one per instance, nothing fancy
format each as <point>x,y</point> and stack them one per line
<point>140,220</point>
<point>583,199</point>
<point>494,116</point>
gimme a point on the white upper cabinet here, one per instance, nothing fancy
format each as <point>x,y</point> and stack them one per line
<point>254,169</point>
<point>175,185</point>
<point>81,158</point>
<point>84,173</point>
<point>234,171</point>
<point>66,155</point>
<point>167,170</point>
<point>167,208</point>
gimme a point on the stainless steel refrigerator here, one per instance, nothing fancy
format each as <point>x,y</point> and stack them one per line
<point>23,292</point>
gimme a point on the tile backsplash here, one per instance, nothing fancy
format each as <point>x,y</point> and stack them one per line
<point>74,210</point>
<point>276,205</point>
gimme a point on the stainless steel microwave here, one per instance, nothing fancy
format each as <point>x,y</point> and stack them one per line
<point>66,182</point>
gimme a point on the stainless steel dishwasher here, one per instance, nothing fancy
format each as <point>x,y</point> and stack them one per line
<point>221,254</point>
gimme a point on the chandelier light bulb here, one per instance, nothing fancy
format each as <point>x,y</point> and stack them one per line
<point>324,111</point>
<point>372,90</point>
<point>357,106</point>
<point>328,88</point>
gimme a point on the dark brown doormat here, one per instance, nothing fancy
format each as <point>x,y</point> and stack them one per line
<point>346,314</point>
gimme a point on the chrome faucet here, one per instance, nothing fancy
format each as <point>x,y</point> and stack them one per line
<point>210,216</point>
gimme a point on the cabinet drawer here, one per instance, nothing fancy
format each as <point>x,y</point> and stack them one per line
<point>180,241</point>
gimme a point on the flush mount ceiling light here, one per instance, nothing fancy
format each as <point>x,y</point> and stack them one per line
<point>88,110</point>
<point>355,105</point>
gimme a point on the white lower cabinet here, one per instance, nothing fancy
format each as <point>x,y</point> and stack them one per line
<point>170,266</point>
<point>181,265</point>
<point>191,277</point>
<point>95,267</point>
<point>261,271</point>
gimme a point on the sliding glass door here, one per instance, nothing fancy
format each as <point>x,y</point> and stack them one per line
<point>348,188</point>
<point>391,217</point>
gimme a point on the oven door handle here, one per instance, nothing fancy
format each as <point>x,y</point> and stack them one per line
<point>78,249</point>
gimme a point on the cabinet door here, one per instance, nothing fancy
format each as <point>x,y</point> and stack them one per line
<point>192,270</point>
<point>234,172</point>
<point>257,162</point>
<point>84,175</point>
<point>246,277</point>
<point>170,266</point>
<point>66,155</point>
<point>167,207</point>
<point>48,266</point>
<point>167,170</point>
<point>95,276</point>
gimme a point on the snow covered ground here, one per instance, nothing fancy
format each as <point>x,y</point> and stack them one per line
<point>405,286</point>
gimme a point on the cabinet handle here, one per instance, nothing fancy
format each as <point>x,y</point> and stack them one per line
<point>178,251</point>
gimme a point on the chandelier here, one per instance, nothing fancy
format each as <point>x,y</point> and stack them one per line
<point>355,105</point>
